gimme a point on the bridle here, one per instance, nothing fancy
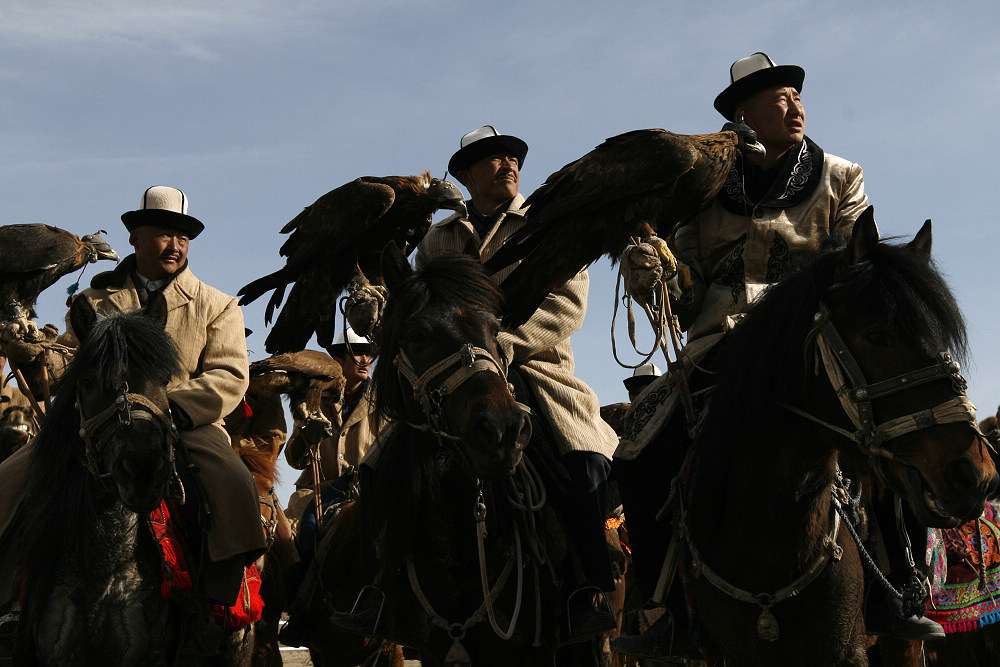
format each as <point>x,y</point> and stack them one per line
<point>97,431</point>
<point>856,394</point>
<point>456,368</point>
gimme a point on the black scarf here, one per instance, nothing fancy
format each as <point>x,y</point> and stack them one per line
<point>793,180</point>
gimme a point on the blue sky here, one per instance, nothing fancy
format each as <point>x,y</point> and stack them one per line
<point>255,109</point>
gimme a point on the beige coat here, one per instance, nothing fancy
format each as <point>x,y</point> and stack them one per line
<point>540,347</point>
<point>351,439</point>
<point>207,327</point>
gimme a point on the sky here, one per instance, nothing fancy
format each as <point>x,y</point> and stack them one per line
<point>255,109</point>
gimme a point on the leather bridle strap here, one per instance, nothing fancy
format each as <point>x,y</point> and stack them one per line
<point>467,361</point>
<point>123,409</point>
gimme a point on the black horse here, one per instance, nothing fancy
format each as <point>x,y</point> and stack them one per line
<point>846,363</point>
<point>467,544</point>
<point>101,462</point>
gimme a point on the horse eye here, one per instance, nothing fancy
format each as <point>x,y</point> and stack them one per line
<point>876,337</point>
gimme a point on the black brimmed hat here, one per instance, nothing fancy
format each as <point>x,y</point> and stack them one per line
<point>163,206</point>
<point>750,75</point>
<point>484,142</point>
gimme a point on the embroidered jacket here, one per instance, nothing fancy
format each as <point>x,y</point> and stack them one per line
<point>737,247</point>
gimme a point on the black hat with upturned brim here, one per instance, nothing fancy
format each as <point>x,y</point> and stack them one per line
<point>748,76</point>
<point>163,206</point>
<point>484,142</point>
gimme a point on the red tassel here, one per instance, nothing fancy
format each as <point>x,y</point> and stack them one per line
<point>69,301</point>
<point>247,410</point>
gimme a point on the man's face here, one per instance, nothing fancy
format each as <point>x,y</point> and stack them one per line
<point>778,117</point>
<point>356,369</point>
<point>492,181</point>
<point>159,251</point>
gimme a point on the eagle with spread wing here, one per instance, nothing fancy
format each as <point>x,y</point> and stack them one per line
<point>636,184</point>
<point>35,256</point>
<point>340,237</point>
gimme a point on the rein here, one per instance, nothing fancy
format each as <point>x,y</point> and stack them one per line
<point>124,411</point>
<point>856,395</point>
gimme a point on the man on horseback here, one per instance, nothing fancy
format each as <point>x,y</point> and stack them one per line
<point>354,426</point>
<point>207,328</point>
<point>488,164</point>
<point>772,209</point>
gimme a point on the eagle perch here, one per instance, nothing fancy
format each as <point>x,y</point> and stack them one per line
<point>633,185</point>
<point>339,236</point>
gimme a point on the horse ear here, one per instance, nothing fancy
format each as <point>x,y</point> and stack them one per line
<point>156,307</point>
<point>82,317</point>
<point>394,265</point>
<point>921,243</point>
<point>864,237</point>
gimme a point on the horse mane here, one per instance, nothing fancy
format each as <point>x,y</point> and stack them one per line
<point>766,360</point>
<point>410,466</point>
<point>61,493</point>
<point>257,461</point>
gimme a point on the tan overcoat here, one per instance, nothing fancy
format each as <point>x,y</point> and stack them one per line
<point>350,440</point>
<point>207,328</point>
<point>540,347</point>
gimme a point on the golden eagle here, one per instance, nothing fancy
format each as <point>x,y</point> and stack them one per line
<point>337,237</point>
<point>632,185</point>
<point>304,376</point>
<point>34,256</point>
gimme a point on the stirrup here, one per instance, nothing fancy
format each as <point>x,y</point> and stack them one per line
<point>355,619</point>
<point>603,603</point>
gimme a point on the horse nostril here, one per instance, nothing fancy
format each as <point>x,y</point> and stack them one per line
<point>963,475</point>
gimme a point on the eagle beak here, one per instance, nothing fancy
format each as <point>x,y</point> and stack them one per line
<point>100,246</point>
<point>448,195</point>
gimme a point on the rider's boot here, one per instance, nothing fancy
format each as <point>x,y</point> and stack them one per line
<point>884,616</point>
<point>364,618</point>
<point>202,633</point>
<point>588,614</point>
<point>663,638</point>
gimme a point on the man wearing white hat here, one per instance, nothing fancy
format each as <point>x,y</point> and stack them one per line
<point>772,210</point>
<point>355,425</point>
<point>641,378</point>
<point>207,328</point>
<point>488,164</point>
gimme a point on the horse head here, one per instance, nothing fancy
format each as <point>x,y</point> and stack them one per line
<point>120,374</point>
<point>889,334</point>
<point>445,370</point>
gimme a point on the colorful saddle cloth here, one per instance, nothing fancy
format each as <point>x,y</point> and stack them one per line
<point>967,602</point>
<point>177,577</point>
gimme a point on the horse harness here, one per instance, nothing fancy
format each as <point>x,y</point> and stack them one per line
<point>127,406</point>
<point>463,364</point>
<point>529,497</point>
<point>855,395</point>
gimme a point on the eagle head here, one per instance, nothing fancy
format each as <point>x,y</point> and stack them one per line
<point>447,195</point>
<point>101,248</point>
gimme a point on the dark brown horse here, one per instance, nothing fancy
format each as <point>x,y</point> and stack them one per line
<point>467,546</point>
<point>846,360</point>
<point>101,462</point>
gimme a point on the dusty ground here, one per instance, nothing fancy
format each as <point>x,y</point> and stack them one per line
<point>299,657</point>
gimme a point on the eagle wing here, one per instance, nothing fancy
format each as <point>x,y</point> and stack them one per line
<point>634,183</point>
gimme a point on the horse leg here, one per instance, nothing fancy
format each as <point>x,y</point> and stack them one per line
<point>895,652</point>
